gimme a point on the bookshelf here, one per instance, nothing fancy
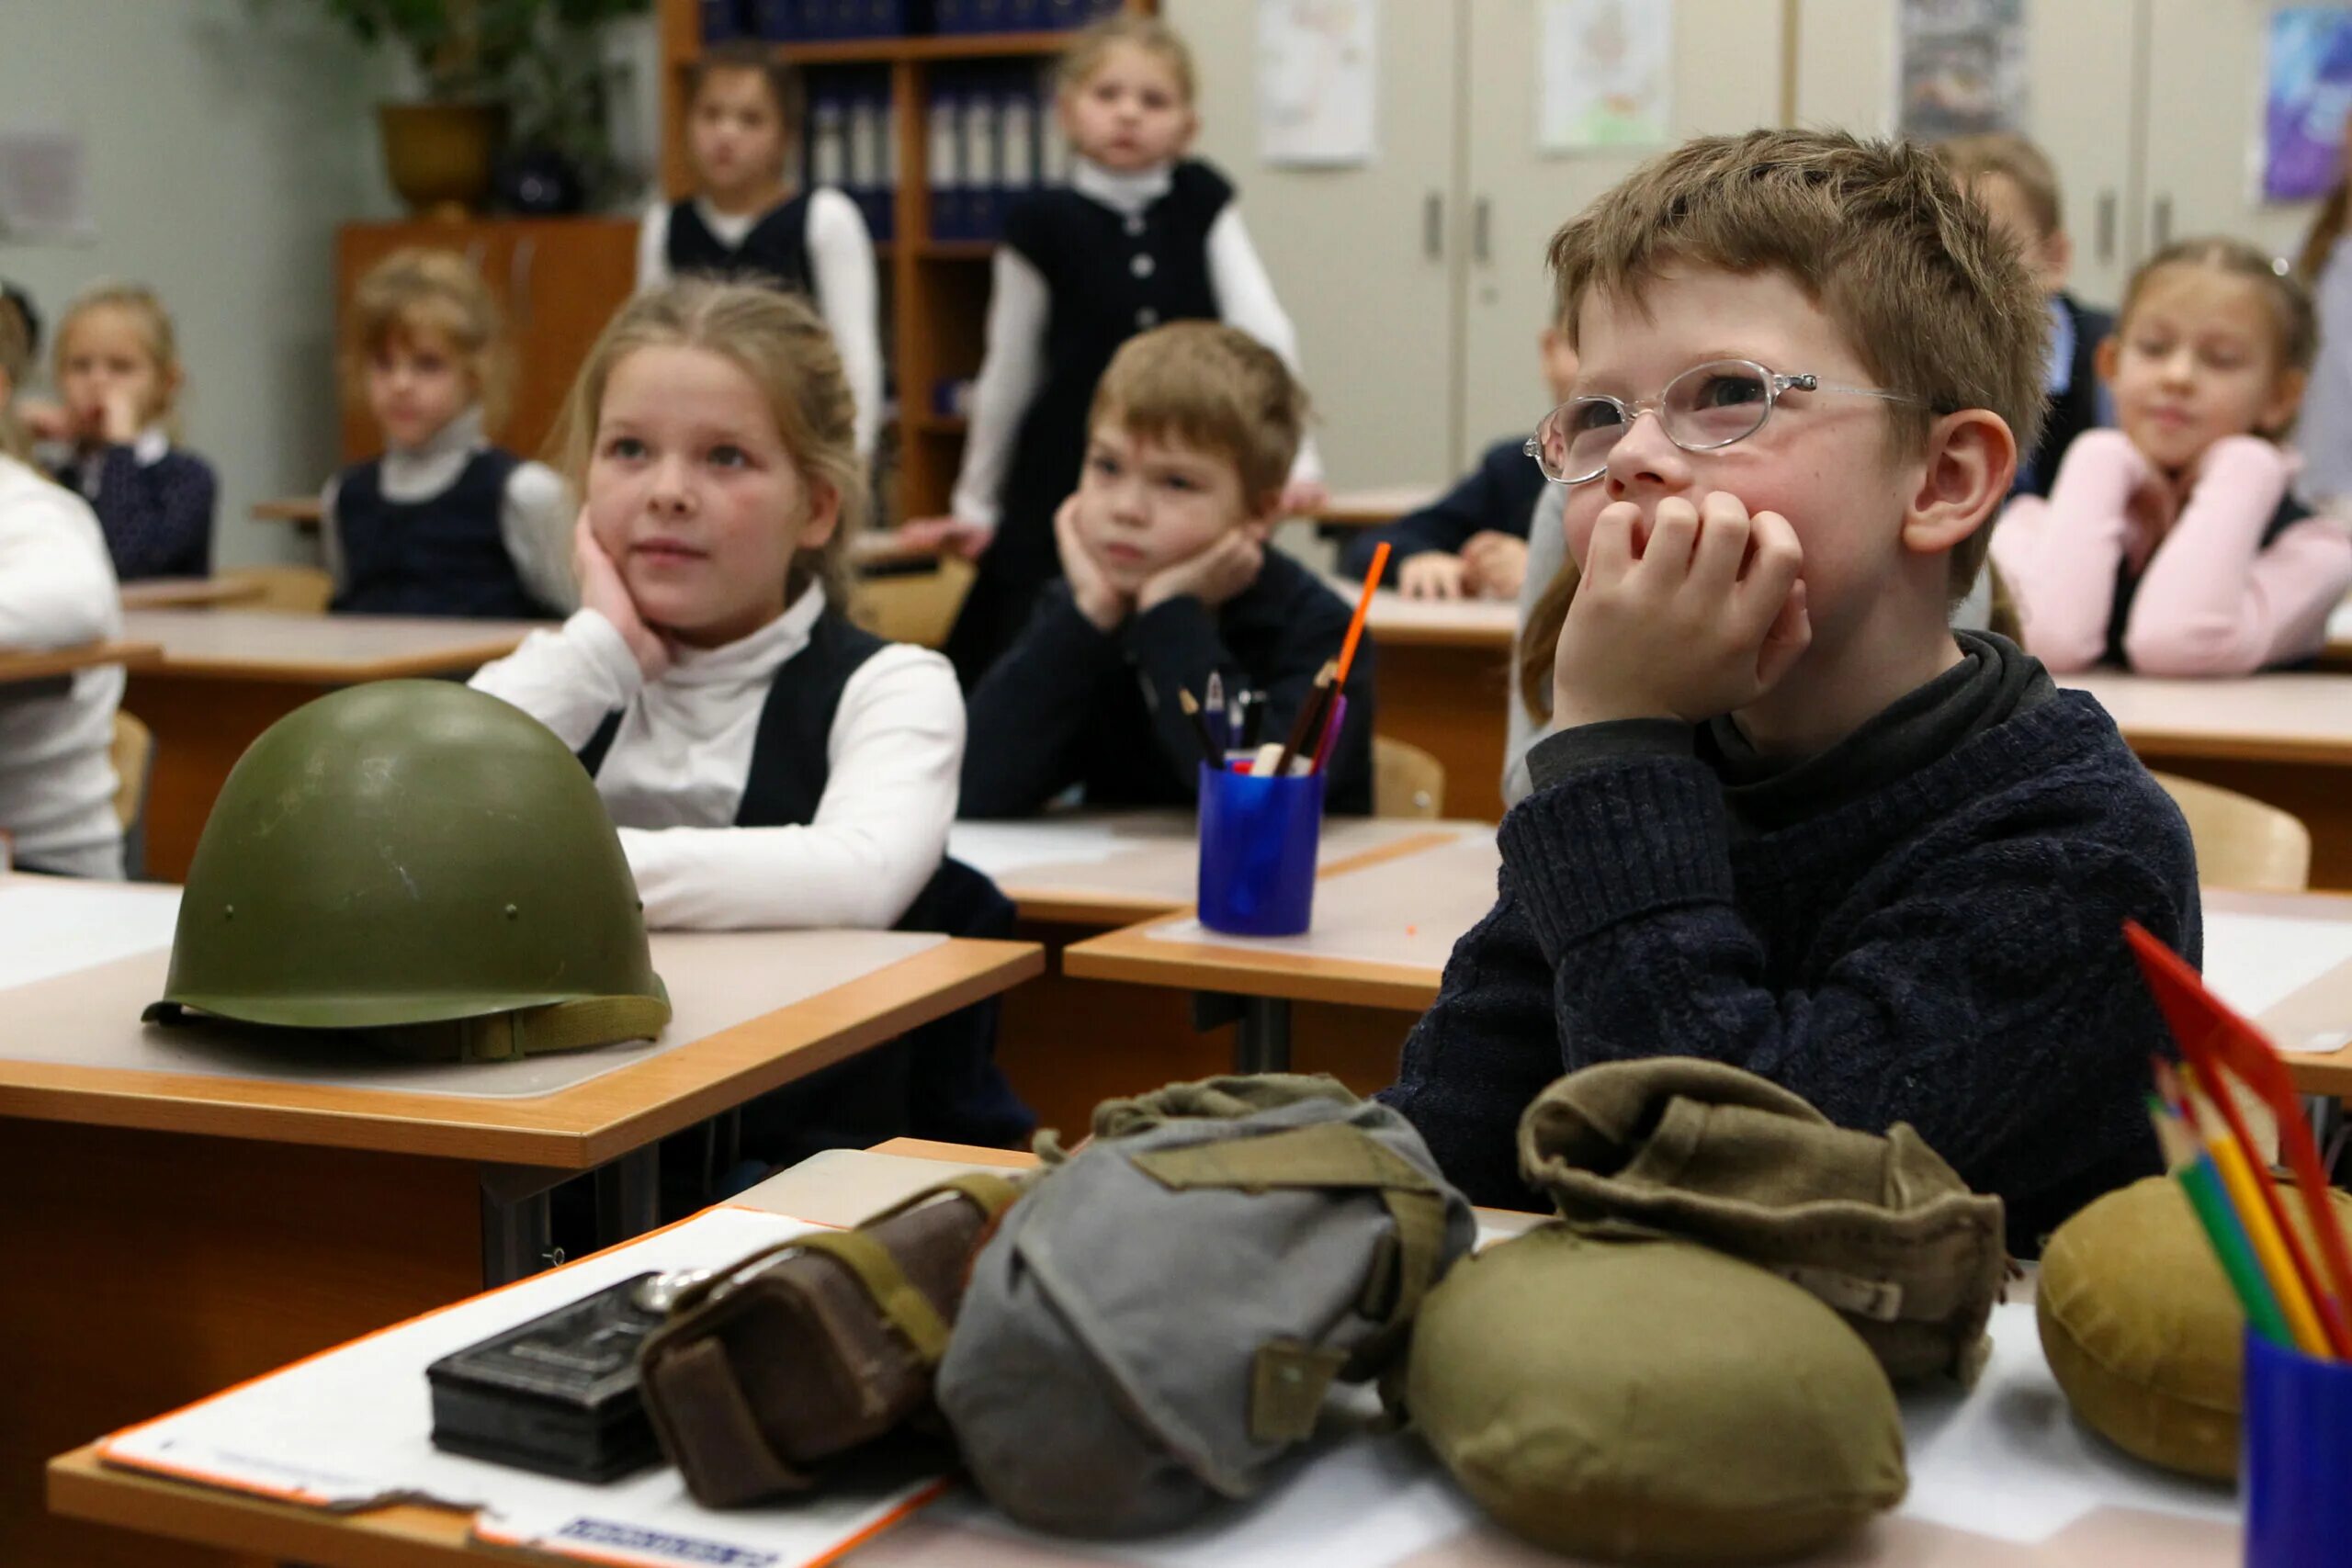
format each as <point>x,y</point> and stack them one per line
<point>935,291</point>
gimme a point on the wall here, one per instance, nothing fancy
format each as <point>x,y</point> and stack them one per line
<point>224,141</point>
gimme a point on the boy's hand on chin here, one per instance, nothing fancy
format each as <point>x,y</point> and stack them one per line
<point>1099,598</point>
<point>1701,617</point>
<point>602,590</point>
<point>1214,576</point>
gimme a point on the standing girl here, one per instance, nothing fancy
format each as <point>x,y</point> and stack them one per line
<point>1141,235</point>
<point>118,380</point>
<point>2170,544</point>
<point>769,764</point>
<point>444,523</point>
<point>747,222</point>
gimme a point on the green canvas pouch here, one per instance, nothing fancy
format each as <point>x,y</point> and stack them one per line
<point>1651,1401</point>
<point>1877,1226</point>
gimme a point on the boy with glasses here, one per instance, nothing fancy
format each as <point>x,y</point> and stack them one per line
<point>1790,819</point>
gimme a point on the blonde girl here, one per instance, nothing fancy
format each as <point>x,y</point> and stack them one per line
<point>2171,544</point>
<point>444,523</point>
<point>1141,235</point>
<point>117,367</point>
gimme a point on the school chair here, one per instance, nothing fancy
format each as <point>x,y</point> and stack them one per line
<point>1406,781</point>
<point>134,755</point>
<point>2240,841</point>
<point>912,606</point>
<point>288,590</point>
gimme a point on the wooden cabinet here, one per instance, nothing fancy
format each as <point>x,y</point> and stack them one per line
<point>559,280</point>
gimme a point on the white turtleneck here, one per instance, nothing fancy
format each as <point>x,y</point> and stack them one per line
<point>674,775</point>
<point>1014,367</point>
<point>840,266</point>
<point>534,515</point>
<point>57,588</point>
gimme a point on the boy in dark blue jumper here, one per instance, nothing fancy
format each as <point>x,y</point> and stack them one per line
<point>1471,542</point>
<point>1166,581</point>
<point>1789,820</point>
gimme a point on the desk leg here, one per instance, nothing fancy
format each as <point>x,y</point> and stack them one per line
<point>628,1194</point>
<point>1263,1043</point>
<point>517,1222</point>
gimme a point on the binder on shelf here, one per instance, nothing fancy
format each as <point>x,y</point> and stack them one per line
<point>944,155</point>
<point>723,20</point>
<point>1054,154</point>
<point>777,21</point>
<point>829,137</point>
<point>982,187</point>
<point>868,179</point>
<point>1016,164</point>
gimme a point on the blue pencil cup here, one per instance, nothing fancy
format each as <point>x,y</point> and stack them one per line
<point>1257,844</point>
<point>2297,1455</point>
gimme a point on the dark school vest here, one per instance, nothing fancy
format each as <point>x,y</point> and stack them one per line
<point>443,556</point>
<point>775,251</point>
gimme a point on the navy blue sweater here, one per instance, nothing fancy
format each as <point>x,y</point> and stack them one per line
<point>1497,496</point>
<point>1944,949</point>
<point>157,516</point>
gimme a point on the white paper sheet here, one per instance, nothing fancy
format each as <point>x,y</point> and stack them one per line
<point>293,1435</point>
<point>52,926</point>
<point>1001,848</point>
<point>2255,962</point>
<point>1318,68</point>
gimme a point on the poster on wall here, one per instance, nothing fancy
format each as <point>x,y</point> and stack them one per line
<point>1603,74</point>
<point>1961,67</point>
<point>2307,93</point>
<point>1317,64</point>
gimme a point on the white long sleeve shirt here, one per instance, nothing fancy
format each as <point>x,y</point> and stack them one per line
<point>674,777</point>
<point>1013,365</point>
<point>57,588</point>
<point>841,263</point>
<point>535,515</point>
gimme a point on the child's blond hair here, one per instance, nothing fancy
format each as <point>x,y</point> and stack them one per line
<point>1213,387</point>
<point>780,343</point>
<point>2294,321</point>
<point>2015,160</point>
<point>1093,43</point>
<point>1932,301</point>
<point>16,359</point>
<point>423,293</point>
<point>139,303</point>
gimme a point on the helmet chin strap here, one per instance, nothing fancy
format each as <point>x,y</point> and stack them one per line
<point>493,1037</point>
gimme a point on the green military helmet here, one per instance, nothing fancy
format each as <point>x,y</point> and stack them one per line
<point>423,862</point>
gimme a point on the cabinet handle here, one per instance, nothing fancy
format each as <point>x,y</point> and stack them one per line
<point>1482,226</point>
<point>1434,226</point>
<point>518,283</point>
<point>2106,226</point>
<point>2163,222</point>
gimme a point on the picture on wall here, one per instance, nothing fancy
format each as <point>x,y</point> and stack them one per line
<point>1317,61</point>
<point>1604,75</point>
<point>2307,94</point>
<point>1961,67</point>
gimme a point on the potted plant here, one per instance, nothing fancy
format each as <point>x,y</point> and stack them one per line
<point>470,58</point>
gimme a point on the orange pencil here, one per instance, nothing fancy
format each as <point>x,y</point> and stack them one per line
<point>2270,1251</point>
<point>1364,608</point>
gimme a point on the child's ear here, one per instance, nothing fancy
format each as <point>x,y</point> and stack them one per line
<point>2285,397</point>
<point>2104,360</point>
<point>1971,456</point>
<point>1263,514</point>
<point>824,516</point>
<point>2057,259</point>
<point>1191,128</point>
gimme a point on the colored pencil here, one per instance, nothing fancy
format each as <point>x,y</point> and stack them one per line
<point>1213,701</point>
<point>2197,1182</point>
<point>1311,715</point>
<point>1364,608</point>
<point>2209,1036</point>
<point>1209,748</point>
<point>1331,732</point>
<point>2278,1268</point>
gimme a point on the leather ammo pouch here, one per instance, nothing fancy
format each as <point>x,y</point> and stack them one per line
<point>813,1347</point>
<point>1877,1227</point>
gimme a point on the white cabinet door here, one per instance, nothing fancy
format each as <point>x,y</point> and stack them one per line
<point>2081,82</point>
<point>1363,256</point>
<point>2206,64</point>
<point>1726,78</point>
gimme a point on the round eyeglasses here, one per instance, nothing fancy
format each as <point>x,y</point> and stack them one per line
<point>1707,407</point>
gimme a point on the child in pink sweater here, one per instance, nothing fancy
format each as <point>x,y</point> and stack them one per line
<point>2170,544</point>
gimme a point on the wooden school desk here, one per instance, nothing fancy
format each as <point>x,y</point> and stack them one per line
<point>227,674</point>
<point>1383,928</point>
<point>1375,507</point>
<point>2285,738</point>
<point>190,592</point>
<point>1072,875</point>
<point>2092,1526</point>
<point>49,663</point>
<point>1442,681</point>
<point>184,1210</point>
